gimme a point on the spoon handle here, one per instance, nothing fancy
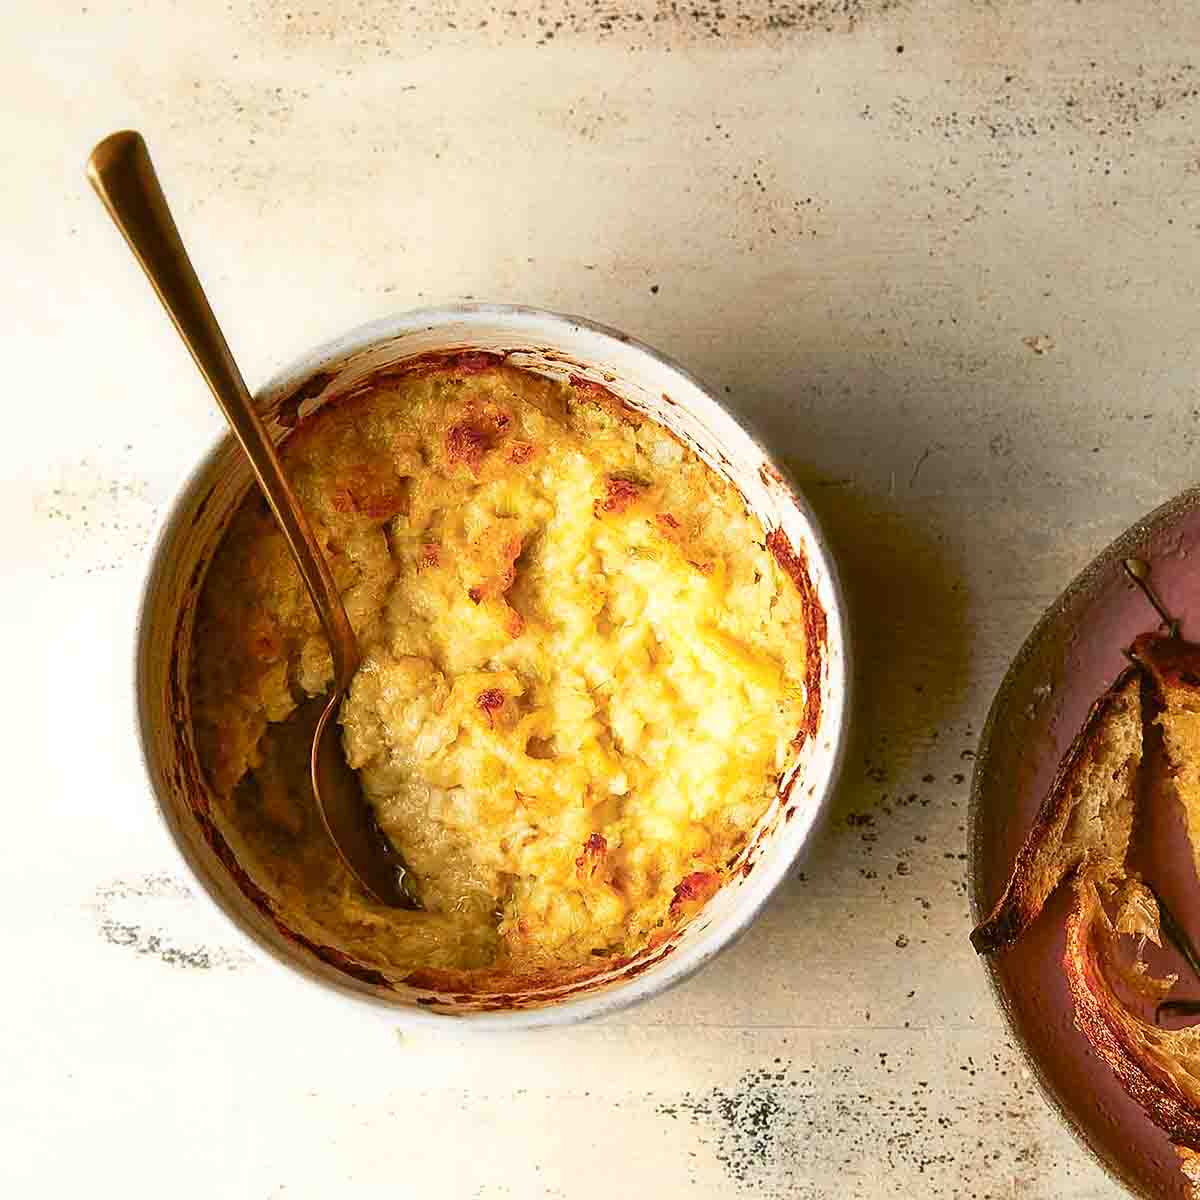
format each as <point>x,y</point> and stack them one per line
<point>123,176</point>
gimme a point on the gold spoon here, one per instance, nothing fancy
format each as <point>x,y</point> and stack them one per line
<point>123,176</point>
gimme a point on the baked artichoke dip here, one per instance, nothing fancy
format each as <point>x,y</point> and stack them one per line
<point>583,672</point>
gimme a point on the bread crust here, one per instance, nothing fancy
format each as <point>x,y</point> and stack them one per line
<point>1171,661</point>
<point>1158,1068</point>
<point>1189,1164</point>
<point>1037,872</point>
<point>1115,1033</point>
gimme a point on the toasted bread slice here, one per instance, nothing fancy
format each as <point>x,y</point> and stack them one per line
<point>1086,817</point>
<point>1159,1068</point>
<point>1189,1164</point>
<point>1174,665</point>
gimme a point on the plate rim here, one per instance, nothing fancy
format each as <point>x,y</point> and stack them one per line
<point>1097,569</point>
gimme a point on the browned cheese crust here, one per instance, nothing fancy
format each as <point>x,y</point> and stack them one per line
<point>586,667</point>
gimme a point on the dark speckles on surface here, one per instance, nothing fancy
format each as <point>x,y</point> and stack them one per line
<point>748,1119</point>
<point>834,1131</point>
<point>1013,136</point>
<point>155,917</point>
<point>93,519</point>
<point>371,28</point>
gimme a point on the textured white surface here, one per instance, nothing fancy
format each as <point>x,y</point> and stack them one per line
<point>954,283</point>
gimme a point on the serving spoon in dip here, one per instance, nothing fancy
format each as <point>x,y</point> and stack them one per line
<point>121,172</point>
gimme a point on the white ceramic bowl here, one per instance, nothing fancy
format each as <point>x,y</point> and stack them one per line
<point>557,346</point>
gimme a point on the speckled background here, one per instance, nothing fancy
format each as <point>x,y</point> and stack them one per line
<point>943,252</point>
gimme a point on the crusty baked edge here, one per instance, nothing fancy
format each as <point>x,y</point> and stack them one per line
<point>1016,909</point>
<point>1105,1023</point>
<point>497,989</point>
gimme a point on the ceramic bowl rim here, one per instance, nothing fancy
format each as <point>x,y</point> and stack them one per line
<point>836,705</point>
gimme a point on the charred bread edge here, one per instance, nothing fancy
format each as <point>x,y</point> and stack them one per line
<point>1108,1035</point>
<point>1015,911</point>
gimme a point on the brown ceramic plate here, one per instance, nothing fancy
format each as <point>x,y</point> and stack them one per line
<point>1072,655</point>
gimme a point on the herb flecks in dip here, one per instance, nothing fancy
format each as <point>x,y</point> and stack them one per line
<point>582,673</point>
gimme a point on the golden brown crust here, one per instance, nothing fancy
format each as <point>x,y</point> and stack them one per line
<point>483,525</point>
<point>1173,662</point>
<point>1112,1030</point>
<point>1189,1165</point>
<point>550,982</point>
<point>794,565</point>
<point>693,891</point>
<point>619,495</point>
<point>1026,893</point>
<point>592,392</point>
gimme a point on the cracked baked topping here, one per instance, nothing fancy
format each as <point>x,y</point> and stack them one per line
<point>583,672</point>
